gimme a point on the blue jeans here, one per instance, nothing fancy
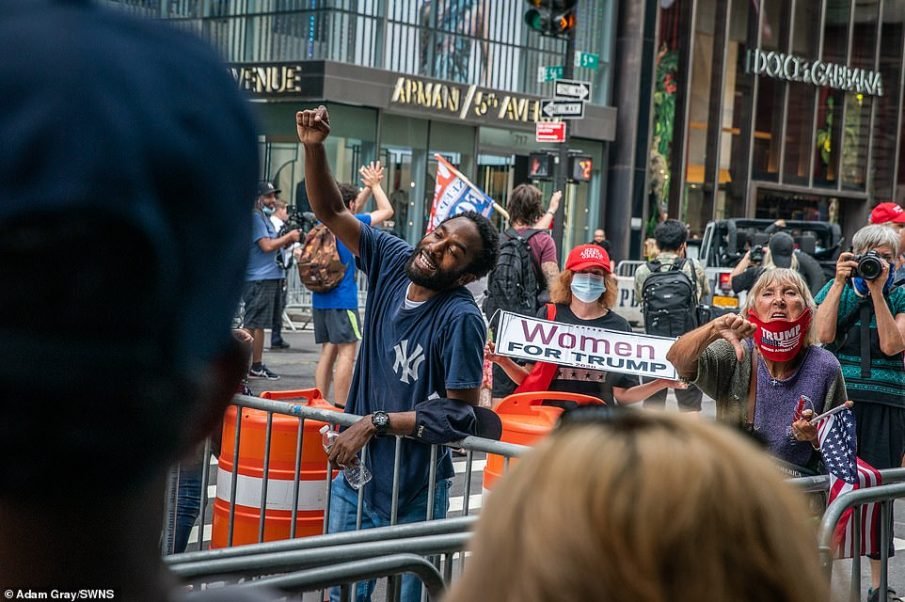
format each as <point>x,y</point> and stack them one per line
<point>343,511</point>
<point>185,482</point>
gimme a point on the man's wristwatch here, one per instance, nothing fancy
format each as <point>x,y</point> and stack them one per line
<point>381,422</point>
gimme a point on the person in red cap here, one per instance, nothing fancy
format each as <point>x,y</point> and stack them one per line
<point>671,236</point>
<point>583,294</point>
<point>892,215</point>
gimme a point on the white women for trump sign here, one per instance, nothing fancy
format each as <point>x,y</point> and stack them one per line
<point>586,347</point>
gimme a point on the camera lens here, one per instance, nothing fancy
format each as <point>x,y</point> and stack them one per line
<point>869,266</point>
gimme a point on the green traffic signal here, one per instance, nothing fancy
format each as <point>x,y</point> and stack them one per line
<point>536,20</point>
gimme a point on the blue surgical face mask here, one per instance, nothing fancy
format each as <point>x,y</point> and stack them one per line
<point>268,211</point>
<point>588,287</point>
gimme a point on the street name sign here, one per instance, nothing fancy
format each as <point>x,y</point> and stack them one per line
<point>588,60</point>
<point>565,109</point>
<point>550,131</point>
<point>571,89</point>
<point>549,73</point>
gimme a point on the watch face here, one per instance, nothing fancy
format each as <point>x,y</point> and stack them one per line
<point>381,420</point>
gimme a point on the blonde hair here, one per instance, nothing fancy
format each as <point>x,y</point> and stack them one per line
<point>561,290</point>
<point>650,506</point>
<point>784,276</point>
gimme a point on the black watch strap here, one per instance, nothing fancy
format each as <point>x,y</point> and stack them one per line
<point>381,422</point>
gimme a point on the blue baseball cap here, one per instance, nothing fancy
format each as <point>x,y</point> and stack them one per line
<point>139,122</point>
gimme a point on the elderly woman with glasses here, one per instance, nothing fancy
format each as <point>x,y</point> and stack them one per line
<point>861,319</point>
<point>762,368</point>
<point>668,508</point>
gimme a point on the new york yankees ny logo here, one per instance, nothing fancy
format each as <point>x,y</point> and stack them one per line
<point>408,363</point>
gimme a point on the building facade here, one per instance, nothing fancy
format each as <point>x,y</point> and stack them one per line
<point>777,109</point>
<point>405,81</point>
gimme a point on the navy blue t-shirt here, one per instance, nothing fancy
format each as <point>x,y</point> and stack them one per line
<point>408,356</point>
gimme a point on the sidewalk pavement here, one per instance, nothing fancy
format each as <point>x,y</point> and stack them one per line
<point>295,365</point>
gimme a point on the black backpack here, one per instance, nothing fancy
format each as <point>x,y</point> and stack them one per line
<point>669,300</point>
<point>513,285</point>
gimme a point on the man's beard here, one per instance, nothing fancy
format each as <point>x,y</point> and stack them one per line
<point>438,281</point>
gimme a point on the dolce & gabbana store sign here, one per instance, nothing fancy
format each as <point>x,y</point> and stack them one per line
<point>788,67</point>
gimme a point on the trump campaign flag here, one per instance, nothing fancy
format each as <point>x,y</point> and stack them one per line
<point>454,194</point>
<point>836,434</point>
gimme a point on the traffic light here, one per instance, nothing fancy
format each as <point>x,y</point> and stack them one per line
<point>580,168</point>
<point>540,166</point>
<point>551,17</point>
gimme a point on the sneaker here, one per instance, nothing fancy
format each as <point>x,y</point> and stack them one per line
<point>262,372</point>
<point>279,346</point>
<point>873,595</point>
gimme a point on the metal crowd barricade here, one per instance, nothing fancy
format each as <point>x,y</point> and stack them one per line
<point>439,539</point>
<point>298,311</point>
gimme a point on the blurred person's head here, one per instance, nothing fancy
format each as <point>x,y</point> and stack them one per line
<point>118,355</point>
<point>349,193</point>
<point>627,505</point>
<point>525,205</point>
<point>267,197</point>
<point>671,235</point>
<point>587,274</point>
<point>780,252</point>
<point>892,215</point>
<point>599,235</point>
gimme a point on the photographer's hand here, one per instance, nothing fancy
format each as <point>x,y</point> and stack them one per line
<point>845,267</point>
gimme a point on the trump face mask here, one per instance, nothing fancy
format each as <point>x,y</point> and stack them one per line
<point>781,340</point>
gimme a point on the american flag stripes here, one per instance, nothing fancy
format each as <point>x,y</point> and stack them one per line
<point>836,434</point>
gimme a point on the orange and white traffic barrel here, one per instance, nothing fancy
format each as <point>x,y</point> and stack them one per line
<point>249,473</point>
<point>526,421</point>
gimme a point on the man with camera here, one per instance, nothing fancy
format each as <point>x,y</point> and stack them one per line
<point>861,319</point>
<point>263,277</point>
<point>780,253</point>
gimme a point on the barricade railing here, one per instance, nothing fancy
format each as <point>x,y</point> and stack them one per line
<point>347,573</point>
<point>885,494</point>
<point>444,537</point>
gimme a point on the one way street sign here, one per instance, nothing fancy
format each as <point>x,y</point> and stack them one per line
<point>565,109</point>
<point>573,89</point>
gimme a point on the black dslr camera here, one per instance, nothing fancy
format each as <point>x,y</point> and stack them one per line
<point>298,220</point>
<point>870,265</point>
<point>756,254</point>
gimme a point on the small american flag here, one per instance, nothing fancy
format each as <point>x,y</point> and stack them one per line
<point>836,434</point>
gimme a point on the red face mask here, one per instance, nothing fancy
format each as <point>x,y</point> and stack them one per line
<point>781,340</point>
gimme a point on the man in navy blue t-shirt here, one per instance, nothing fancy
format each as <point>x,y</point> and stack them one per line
<point>420,366</point>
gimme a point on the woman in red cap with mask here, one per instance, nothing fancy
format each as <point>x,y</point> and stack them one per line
<point>763,368</point>
<point>583,295</point>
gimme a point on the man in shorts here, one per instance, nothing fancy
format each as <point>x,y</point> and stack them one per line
<point>264,277</point>
<point>337,326</point>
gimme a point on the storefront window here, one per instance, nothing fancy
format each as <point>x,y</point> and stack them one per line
<point>828,137</point>
<point>800,114</point>
<point>887,106</point>
<point>856,130</point>
<point>699,110</point>
<point>770,94</point>
<point>404,143</point>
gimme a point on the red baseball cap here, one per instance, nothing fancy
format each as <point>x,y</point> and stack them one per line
<point>583,257</point>
<point>887,212</point>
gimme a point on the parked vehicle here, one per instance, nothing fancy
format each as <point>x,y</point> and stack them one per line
<point>723,245</point>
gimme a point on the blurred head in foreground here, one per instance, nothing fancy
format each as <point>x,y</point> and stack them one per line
<point>625,505</point>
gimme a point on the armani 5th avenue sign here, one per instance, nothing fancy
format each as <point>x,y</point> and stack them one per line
<point>789,67</point>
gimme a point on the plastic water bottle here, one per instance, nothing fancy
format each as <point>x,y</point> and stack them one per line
<point>357,474</point>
